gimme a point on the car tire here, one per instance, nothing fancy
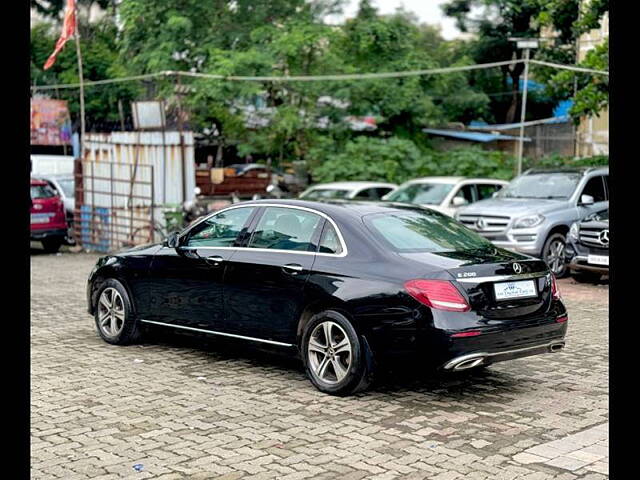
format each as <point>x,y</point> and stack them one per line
<point>51,245</point>
<point>114,316</point>
<point>586,277</point>
<point>553,253</point>
<point>341,366</point>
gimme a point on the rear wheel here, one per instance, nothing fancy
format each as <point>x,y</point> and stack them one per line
<point>553,254</point>
<point>334,354</point>
<point>114,317</point>
<point>51,245</point>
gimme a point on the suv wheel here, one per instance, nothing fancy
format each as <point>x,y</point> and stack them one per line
<point>334,354</point>
<point>553,254</point>
<point>51,245</point>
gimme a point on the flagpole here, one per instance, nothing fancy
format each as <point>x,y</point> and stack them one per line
<point>79,55</point>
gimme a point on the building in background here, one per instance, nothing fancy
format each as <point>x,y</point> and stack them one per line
<point>592,134</point>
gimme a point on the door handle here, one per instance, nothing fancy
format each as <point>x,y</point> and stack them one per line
<point>214,260</point>
<point>292,268</point>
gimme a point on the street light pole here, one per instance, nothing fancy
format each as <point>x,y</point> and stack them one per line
<point>526,44</point>
<point>523,109</point>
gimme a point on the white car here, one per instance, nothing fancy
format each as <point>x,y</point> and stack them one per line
<point>348,190</point>
<point>445,194</point>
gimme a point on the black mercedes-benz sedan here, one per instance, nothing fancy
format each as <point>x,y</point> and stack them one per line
<point>346,286</point>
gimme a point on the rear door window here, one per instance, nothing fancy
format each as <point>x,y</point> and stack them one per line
<point>286,229</point>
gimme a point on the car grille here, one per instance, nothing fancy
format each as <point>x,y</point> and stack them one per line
<point>489,223</point>
<point>591,237</point>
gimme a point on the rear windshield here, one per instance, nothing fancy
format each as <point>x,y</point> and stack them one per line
<point>327,193</point>
<point>428,231</point>
<point>42,191</point>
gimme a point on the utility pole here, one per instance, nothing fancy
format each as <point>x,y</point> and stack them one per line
<point>81,78</point>
<point>526,44</point>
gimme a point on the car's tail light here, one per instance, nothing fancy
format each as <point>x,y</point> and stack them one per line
<point>472,333</point>
<point>554,288</point>
<point>562,319</point>
<point>439,294</point>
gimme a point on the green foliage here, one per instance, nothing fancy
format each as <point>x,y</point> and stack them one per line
<point>398,160</point>
<point>100,61</point>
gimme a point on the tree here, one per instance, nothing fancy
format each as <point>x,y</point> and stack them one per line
<point>100,61</point>
<point>571,19</point>
<point>501,20</point>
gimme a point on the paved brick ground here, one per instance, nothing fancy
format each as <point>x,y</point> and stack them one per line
<point>180,408</point>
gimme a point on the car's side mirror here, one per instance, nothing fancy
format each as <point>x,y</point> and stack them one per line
<point>459,201</point>
<point>172,241</point>
<point>586,200</point>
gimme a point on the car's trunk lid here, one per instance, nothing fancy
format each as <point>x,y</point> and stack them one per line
<point>498,283</point>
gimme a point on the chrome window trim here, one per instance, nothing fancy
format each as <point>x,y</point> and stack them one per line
<point>296,207</point>
<point>502,278</point>
<point>223,334</point>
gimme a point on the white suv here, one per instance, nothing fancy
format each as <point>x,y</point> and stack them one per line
<point>445,194</point>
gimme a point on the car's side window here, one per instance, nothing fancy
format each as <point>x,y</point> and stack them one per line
<point>595,188</point>
<point>467,193</point>
<point>286,229</point>
<point>486,190</point>
<point>366,194</point>
<point>330,242</point>
<point>220,230</point>
<point>382,191</point>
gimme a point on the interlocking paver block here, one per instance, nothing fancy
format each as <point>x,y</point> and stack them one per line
<point>197,409</point>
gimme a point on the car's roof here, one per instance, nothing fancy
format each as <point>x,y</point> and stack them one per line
<point>583,170</point>
<point>453,180</point>
<point>339,208</point>
<point>350,185</point>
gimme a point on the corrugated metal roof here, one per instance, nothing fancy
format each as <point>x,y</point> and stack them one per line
<point>472,136</point>
<point>510,126</point>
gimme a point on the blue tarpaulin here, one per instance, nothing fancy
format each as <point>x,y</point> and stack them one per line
<point>472,136</point>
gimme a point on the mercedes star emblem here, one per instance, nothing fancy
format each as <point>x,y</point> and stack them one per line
<point>604,237</point>
<point>517,268</point>
<point>481,224</point>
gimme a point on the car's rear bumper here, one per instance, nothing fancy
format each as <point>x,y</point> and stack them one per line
<point>41,234</point>
<point>470,360</point>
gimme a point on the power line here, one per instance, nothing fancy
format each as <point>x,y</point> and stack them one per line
<point>313,78</point>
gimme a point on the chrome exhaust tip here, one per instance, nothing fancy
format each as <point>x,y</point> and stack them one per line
<point>556,347</point>
<point>465,362</point>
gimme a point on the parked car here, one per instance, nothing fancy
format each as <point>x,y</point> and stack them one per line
<point>48,222</point>
<point>344,285</point>
<point>348,190</point>
<point>64,186</point>
<point>534,212</point>
<point>445,194</point>
<point>587,251</point>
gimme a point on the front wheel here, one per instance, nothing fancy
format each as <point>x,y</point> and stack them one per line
<point>553,254</point>
<point>114,316</point>
<point>334,354</point>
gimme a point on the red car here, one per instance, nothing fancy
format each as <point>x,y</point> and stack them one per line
<point>48,222</point>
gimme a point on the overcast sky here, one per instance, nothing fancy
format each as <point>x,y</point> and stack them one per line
<point>428,11</point>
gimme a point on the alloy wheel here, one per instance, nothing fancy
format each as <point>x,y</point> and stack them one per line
<point>111,314</point>
<point>555,257</point>
<point>329,352</point>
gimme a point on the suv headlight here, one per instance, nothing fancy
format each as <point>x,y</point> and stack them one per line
<point>574,232</point>
<point>529,221</point>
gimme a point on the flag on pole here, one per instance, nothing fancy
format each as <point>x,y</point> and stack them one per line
<point>68,29</point>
